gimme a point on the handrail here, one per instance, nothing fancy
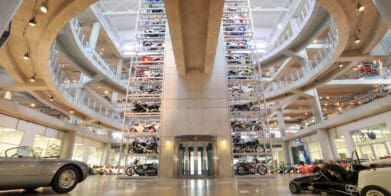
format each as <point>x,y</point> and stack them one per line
<point>84,45</point>
<point>76,95</point>
<point>313,65</point>
<point>292,28</point>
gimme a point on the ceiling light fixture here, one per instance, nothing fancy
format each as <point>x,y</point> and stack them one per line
<point>26,56</point>
<point>32,22</point>
<point>44,7</point>
<point>340,65</point>
<point>360,7</point>
<point>32,105</point>
<point>357,39</point>
<point>71,112</point>
<point>32,79</point>
<point>8,95</point>
<point>51,98</point>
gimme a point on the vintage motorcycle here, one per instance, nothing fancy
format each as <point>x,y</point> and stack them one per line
<point>150,146</point>
<point>244,107</point>
<point>142,169</point>
<point>139,128</point>
<point>245,168</point>
<point>142,108</point>
<point>240,126</point>
<point>240,74</point>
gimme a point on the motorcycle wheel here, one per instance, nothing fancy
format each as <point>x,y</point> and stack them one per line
<point>262,170</point>
<point>129,171</point>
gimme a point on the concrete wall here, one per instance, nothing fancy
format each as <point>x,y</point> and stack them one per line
<point>195,104</point>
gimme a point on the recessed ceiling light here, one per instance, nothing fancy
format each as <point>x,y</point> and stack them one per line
<point>360,7</point>
<point>44,7</point>
<point>51,98</point>
<point>32,105</point>
<point>71,112</point>
<point>26,56</point>
<point>340,65</point>
<point>357,40</point>
<point>32,22</point>
<point>32,79</point>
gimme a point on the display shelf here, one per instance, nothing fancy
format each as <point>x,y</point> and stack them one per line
<point>145,81</point>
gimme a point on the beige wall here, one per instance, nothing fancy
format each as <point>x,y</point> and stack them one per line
<point>195,105</point>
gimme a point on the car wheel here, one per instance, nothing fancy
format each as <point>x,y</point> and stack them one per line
<point>294,188</point>
<point>374,191</point>
<point>129,171</point>
<point>262,170</point>
<point>65,179</point>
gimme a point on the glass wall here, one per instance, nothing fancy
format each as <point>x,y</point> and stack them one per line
<point>9,138</point>
<point>315,151</point>
<point>341,147</point>
<point>47,147</point>
<point>88,151</point>
<point>373,142</point>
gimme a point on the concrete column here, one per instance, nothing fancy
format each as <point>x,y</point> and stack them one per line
<point>68,145</point>
<point>322,134</point>
<point>272,71</point>
<point>384,7</point>
<point>316,107</point>
<point>305,64</point>
<point>106,154</point>
<point>94,35</point>
<point>325,144</point>
<point>285,145</point>
<point>349,142</point>
<point>114,98</point>
<point>120,64</point>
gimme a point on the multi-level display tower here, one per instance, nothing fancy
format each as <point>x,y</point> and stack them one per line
<point>248,116</point>
<point>140,146</point>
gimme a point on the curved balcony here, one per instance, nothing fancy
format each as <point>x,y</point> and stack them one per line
<point>303,20</point>
<point>84,100</point>
<point>75,44</point>
<point>315,65</point>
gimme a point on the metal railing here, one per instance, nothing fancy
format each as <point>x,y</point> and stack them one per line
<point>88,51</point>
<point>78,96</point>
<point>297,19</point>
<point>320,59</point>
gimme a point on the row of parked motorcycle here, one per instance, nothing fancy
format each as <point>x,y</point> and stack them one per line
<point>146,89</point>
<point>145,128</point>
<point>146,169</point>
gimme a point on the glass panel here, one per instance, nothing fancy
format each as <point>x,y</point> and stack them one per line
<point>366,152</point>
<point>191,161</point>
<point>10,136</point>
<point>47,146</point>
<point>78,152</point>
<point>199,160</point>
<point>380,150</point>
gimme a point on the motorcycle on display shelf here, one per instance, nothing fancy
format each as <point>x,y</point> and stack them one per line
<point>150,146</point>
<point>241,90</point>
<point>251,145</point>
<point>245,168</point>
<point>244,107</point>
<point>142,108</point>
<point>240,74</point>
<point>240,126</point>
<point>142,169</point>
<point>138,128</point>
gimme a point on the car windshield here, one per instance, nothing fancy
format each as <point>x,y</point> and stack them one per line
<point>20,152</point>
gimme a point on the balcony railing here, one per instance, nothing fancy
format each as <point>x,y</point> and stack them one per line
<point>90,53</point>
<point>81,98</point>
<point>297,19</point>
<point>313,65</point>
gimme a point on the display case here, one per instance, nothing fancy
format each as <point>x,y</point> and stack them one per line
<point>248,112</point>
<point>141,133</point>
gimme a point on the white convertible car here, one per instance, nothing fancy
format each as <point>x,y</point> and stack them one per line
<point>22,168</point>
<point>375,181</point>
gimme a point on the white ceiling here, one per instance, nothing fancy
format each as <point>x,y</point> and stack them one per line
<point>118,18</point>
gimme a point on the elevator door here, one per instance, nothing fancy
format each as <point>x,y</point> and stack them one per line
<point>195,160</point>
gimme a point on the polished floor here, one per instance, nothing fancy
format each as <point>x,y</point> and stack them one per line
<point>110,185</point>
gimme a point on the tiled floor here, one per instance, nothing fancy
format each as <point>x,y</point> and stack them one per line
<point>110,185</point>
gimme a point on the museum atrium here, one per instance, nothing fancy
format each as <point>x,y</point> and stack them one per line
<point>195,90</point>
